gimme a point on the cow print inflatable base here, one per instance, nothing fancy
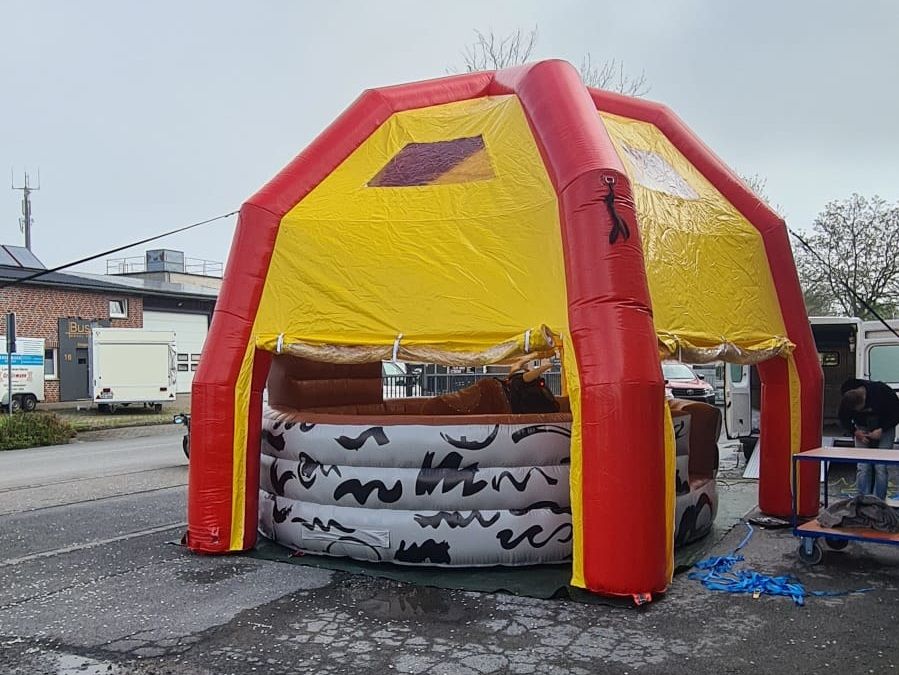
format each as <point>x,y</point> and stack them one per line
<point>462,495</point>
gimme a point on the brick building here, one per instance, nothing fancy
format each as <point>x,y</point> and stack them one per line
<point>60,307</point>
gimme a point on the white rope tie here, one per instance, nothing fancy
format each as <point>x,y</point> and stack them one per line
<point>280,344</point>
<point>527,341</point>
<point>396,347</point>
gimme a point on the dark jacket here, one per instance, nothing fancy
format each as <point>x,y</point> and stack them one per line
<point>881,409</point>
<point>529,397</point>
<point>861,511</point>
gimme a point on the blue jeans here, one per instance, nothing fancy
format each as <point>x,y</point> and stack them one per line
<point>864,473</point>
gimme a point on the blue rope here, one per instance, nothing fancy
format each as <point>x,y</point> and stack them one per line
<point>746,538</point>
<point>718,575</point>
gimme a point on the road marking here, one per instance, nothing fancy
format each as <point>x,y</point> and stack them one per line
<point>80,479</point>
<point>115,495</point>
<point>91,544</point>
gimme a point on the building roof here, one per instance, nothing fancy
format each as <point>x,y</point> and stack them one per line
<point>152,286</point>
<point>107,284</point>
<point>19,256</point>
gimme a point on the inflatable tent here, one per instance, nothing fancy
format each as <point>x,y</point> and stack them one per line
<point>471,218</point>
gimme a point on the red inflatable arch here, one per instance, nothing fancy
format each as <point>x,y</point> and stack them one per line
<point>637,195</point>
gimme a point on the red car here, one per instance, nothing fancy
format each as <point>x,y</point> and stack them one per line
<point>686,384</point>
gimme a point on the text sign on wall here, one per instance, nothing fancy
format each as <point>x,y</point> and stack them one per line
<point>74,338</point>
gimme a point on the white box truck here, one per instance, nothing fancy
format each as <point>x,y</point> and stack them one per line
<point>27,374</point>
<point>132,366</point>
<point>847,347</point>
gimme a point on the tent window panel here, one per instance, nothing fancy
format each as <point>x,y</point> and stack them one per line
<point>460,160</point>
<point>653,172</point>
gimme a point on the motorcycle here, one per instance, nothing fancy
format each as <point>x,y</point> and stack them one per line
<point>184,418</point>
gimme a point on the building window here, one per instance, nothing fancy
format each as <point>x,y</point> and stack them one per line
<point>118,309</point>
<point>50,364</point>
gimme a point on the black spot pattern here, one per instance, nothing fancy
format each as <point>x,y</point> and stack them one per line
<point>428,550</point>
<point>361,491</point>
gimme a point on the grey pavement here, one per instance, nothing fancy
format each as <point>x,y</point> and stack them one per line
<point>117,433</point>
<point>94,585</point>
<point>127,460</point>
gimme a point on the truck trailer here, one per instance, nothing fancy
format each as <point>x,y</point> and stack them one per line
<point>132,366</point>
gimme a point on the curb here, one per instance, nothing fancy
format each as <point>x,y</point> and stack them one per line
<point>128,432</point>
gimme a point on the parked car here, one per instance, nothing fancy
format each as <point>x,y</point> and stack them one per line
<point>713,374</point>
<point>686,384</point>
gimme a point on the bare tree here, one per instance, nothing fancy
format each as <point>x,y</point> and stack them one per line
<point>816,291</point>
<point>490,52</point>
<point>610,75</point>
<point>759,185</point>
<point>856,242</point>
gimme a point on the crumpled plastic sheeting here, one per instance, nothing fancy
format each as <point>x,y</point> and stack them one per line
<point>712,292</point>
<point>540,342</point>
<point>676,347</point>
<point>457,267</point>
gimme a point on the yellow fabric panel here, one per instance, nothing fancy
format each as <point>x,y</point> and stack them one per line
<point>670,497</point>
<point>239,466</point>
<point>476,167</point>
<point>576,479</point>
<point>462,266</point>
<point>707,269</point>
<point>795,415</point>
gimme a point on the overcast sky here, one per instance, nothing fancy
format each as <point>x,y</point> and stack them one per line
<point>143,116</point>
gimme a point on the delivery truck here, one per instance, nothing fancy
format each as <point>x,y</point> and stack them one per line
<point>848,347</point>
<point>27,374</point>
<point>132,366</point>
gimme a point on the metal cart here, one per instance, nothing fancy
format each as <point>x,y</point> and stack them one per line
<point>810,533</point>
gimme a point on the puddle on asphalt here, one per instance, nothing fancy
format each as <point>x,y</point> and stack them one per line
<point>413,602</point>
<point>72,664</point>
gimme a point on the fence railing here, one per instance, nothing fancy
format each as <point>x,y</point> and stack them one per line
<point>197,266</point>
<point>435,384</point>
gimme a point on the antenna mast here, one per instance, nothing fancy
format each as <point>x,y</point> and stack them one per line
<point>25,221</point>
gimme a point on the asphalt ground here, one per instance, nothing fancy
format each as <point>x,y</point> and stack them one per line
<point>90,583</point>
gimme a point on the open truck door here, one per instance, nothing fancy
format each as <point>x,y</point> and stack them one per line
<point>737,401</point>
<point>882,362</point>
<point>840,344</point>
<point>881,359</point>
<point>880,353</point>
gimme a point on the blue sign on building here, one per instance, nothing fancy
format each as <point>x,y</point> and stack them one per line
<point>23,360</point>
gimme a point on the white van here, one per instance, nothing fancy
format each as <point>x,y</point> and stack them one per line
<point>27,374</point>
